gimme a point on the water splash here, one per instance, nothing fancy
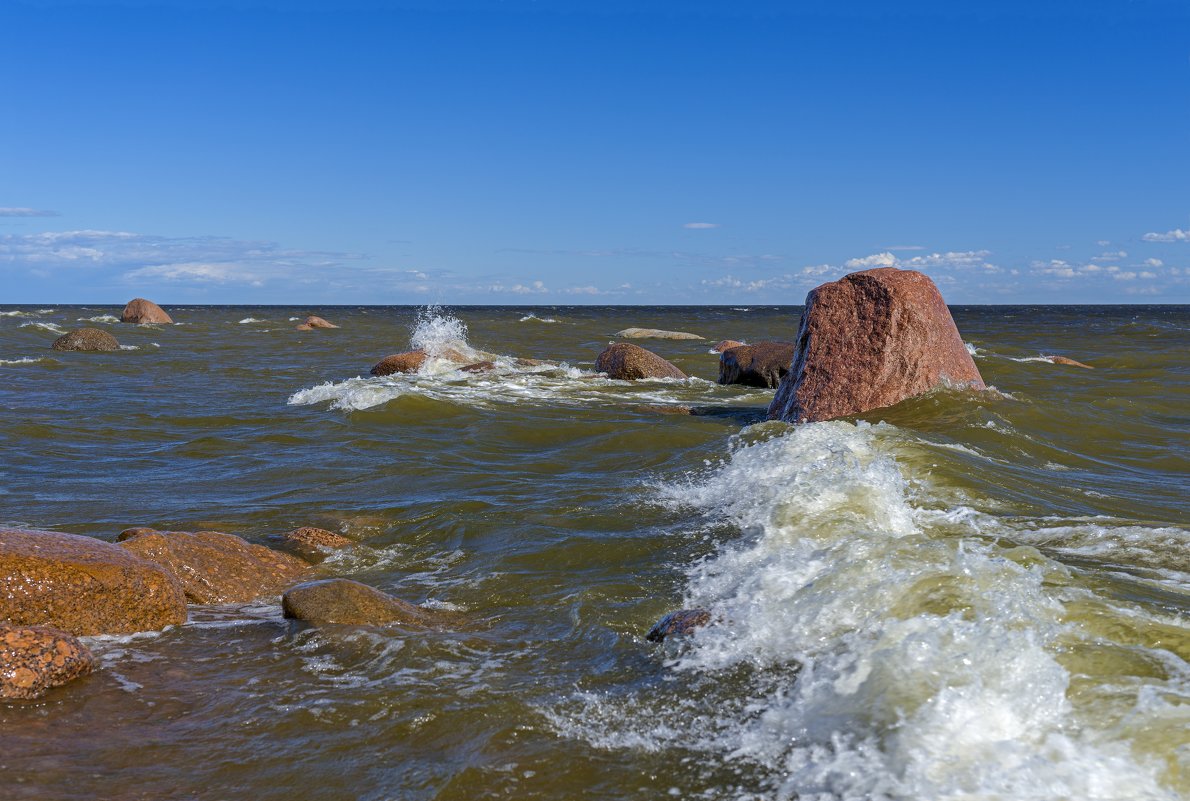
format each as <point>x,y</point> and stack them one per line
<point>436,330</point>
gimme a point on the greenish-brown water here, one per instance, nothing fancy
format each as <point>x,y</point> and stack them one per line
<point>969,595</point>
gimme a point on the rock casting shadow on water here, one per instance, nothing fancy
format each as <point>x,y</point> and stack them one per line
<point>738,415</point>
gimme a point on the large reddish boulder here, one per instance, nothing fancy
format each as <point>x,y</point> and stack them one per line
<point>351,603</point>
<point>870,340</point>
<point>218,568</point>
<point>35,658</point>
<point>761,365</point>
<point>140,310</point>
<point>629,362</point>
<point>86,339</point>
<point>83,585</point>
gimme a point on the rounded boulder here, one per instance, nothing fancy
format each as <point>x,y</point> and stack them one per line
<point>86,339</point>
<point>34,659</point>
<point>628,362</point>
<point>351,603</point>
<point>140,310</point>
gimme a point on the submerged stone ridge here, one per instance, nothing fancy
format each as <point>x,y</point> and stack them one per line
<point>870,340</point>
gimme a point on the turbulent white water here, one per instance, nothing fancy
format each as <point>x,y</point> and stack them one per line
<point>932,662</point>
<point>53,328</point>
<point>100,318</point>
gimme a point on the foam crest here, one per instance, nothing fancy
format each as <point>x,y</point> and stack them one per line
<point>435,330</point>
<point>929,665</point>
<point>533,318</point>
<point>100,318</point>
<point>17,313</point>
<point>53,328</point>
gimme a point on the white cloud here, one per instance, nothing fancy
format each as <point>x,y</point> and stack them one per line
<point>1176,235</point>
<point>198,272</point>
<point>1154,263</point>
<point>1113,256</point>
<point>868,262</point>
<point>700,225</point>
<point>11,211</point>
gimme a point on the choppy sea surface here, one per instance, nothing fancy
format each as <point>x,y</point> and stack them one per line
<point>965,596</point>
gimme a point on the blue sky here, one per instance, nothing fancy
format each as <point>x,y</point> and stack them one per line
<point>260,151</point>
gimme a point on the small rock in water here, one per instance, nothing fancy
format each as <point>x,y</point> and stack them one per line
<point>408,362</point>
<point>683,621</point>
<point>218,568</point>
<point>140,310</point>
<point>629,362</point>
<point>86,339</point>
<point>479,367</point>
<point>727,344</point>
<point>313,322</point>
<point>654,333</point>
<point>83,585</point>
<point>351,603</point>
<point>129,533</point>
<point>313,543</point>
<point>1071,362</point>
<point>761,365</point>
<point>870,340</point>
<point>34,659</point>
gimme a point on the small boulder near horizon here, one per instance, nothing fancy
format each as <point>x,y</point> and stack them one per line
<point>312,322</point>
<point>870,340</point>
<point>87,340</point>
<point>140,310</point>
<point>761,365</point>
<point>655,333</point>
<point>628,362</point>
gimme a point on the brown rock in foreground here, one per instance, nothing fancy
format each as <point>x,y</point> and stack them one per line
<point>870,340</point>
<point>313,322</point>
<point>218,568</point>
<point>34,659</point>
<point>313,543</point>
<point>140,310</point>
<point>83,585</point>
<point>726,344</point>
<point>351,603</point>
<point>683,621</point>
<point>86,339</point>
<point>629,362</point>
<point>761,365</point>
<point>1070,362</point>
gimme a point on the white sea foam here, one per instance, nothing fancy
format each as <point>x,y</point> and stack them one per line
<point>53,328</point>
<point>16,313</point>
<point>248,320</point>
<point>25,360</point>
<point>533,318</point>
<point>974,351</point>
<point>435,330</point>
<point>100,318</point>
<point>929,664</point>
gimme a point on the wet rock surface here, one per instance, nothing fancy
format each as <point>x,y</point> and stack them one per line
<point>313,544</point>
<point>83,585</point>
<point>408,362</point>
<point>140,310</point>
<point>726,344</point>
<point>761,365</point>
<point>871,340</point>
<point>215,568</point>
<point>34,659</point>
<point>629,362</point>
<point>1068,361</point>
<point>349,602</point>
<point>681,622</point>
<point>86,339</point>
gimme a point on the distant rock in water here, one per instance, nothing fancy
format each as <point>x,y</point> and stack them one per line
<point>683,621</point>
<point>140,310</point>
<point>870,340</point>
<point>726,344</point>
<point>1070,362</point>
<point>83,585</point>
<point>761,365</point>
<point>86,339</point>
<point>629,362</point>
<point>218,568</point>
<point>34,659</point>
<point>654,333</point>
<point>314,543</point>
<point>352,603</point>
<point>128,533</point>
<point>313,322</point>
